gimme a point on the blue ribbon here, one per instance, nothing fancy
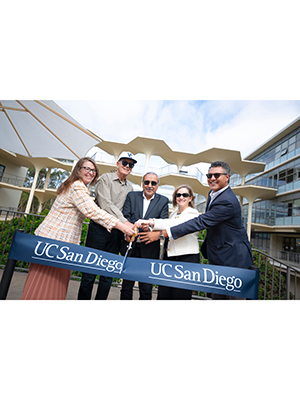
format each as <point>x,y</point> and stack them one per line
<point>238,282</point>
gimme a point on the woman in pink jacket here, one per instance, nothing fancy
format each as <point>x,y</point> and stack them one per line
<point>64,222</point>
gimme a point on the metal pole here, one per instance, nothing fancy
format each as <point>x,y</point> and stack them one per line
<point>6,278</point>
<point>255,268</point>
<point>288,282</point>
<point>8,273</point>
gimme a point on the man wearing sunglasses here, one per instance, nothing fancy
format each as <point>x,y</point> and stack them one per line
<point>226,241</point>
<point>111,191</point>
<point>144,205</point>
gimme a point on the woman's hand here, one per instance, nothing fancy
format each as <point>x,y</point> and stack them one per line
<point>149,237</point>
<point>145,224</point>
<point>142,222</point>
<point>128,230</point>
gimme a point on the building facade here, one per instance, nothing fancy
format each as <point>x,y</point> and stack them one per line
<point>276,221</point>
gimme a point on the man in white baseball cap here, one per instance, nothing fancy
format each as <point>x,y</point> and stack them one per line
<point>110,191</point>
<point>128,156</point>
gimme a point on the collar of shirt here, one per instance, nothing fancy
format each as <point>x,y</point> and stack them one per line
<point>116,178</point>
<point>213,195</point>
<point>146,203</point>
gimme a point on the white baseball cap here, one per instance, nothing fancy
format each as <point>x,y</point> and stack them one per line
<point>126,154</point>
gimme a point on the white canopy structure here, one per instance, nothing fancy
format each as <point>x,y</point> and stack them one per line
<point>35,128</point>
<point>41,129</point>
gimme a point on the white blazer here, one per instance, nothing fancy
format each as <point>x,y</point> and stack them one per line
<point>187,244</point>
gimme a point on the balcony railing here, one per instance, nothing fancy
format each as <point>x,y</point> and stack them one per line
<point>12,179</point>
<point>279,280</point>
<point>20,181</point>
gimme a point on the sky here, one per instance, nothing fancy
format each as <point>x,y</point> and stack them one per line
<point>189,126</point>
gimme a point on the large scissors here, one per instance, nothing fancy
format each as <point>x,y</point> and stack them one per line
<point>129,247</point>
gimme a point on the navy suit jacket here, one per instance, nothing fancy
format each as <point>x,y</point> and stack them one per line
<point>226,241</point>
<point>133,210</point>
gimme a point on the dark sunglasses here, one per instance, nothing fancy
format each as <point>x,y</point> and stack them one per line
<point>182,194</point>
<point>125,163</point>
<point>153,183</point>
<point>217,175</point>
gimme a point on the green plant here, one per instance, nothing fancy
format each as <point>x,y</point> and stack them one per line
<point>272,283</point>
<point>29,224</point>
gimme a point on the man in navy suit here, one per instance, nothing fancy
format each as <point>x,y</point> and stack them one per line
<point>226,241</point>
<point>144,204</point>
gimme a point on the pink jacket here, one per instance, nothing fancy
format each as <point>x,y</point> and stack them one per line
<point>64,221</point>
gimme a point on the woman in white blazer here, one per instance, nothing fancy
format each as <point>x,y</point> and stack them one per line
<point>184,249</point>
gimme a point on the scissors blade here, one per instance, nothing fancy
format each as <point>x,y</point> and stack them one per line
<point>126,254</point>
<point>133,237</point>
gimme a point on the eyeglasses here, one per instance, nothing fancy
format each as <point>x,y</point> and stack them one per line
<point>182,194</point>
<point>153,183</point>
<point>217,175</point>
<point>125,163</point>
<point>90,170</point>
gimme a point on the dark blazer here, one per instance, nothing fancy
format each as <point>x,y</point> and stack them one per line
<point>226,241</point>
<point>133,210</point>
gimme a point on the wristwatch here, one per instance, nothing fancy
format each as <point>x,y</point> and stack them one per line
<point>161,235</point>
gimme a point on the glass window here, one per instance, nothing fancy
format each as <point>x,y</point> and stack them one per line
<point>296,208</point>
<point>270,184</point>
<point>260,182</point>
<point>277,155</point>
<point>272,152</point>
<point>297,174</point>
<point>2,168</point>
<point>288,243</point>
<point>297,250</point>
<point>275,181</point>
<point>289,175</point>
<point>292,147</point>
<point>289,209</point>
<point>280,210</point>
<point>281,178</point>
<point>292,140</point>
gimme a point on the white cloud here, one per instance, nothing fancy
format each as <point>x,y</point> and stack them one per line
<point>187,125</point>
<point>254,123</point>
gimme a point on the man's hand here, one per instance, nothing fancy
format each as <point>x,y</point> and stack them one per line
<point>127,238</point>
<point>131,237</point>
<point>149,237</point>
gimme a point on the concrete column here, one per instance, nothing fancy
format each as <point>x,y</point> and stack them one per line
<point>147,155</point>
<point>47,178</point>
<point>249,219</point>
<point>33,187</point>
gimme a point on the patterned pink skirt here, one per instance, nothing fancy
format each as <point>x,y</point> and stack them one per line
<point>46,283</point>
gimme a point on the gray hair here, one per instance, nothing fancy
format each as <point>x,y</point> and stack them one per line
<point>222,164</point>
<point>154,173</point>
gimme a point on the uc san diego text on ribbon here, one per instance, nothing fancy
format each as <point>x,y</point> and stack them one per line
<point>238,282</point>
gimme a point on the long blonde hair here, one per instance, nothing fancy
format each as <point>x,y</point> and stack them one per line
<point>75,176</point>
